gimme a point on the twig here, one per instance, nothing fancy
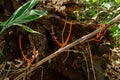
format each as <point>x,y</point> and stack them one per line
<point>67,56</point>
<point>42,73</point>
<point>2,71</point>
<point>87,67</point>
<point>78,41</point>
<point>63,31</point>
<point>8,71</point>
<point>91,60</point>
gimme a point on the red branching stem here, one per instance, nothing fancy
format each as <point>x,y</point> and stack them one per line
<point>67,39</point>
<point>24,56</point>
<point>65,43</point>
<point>100,34</point>
<point>20,45</point>
<point>55,39</point>
<point>33,58</point>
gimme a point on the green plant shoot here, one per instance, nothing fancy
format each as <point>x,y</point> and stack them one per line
<point>24,14</point>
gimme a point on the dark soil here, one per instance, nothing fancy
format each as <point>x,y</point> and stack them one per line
<point>66,66</point>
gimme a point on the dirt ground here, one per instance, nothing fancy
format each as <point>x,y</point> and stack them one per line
<point>73,64</point>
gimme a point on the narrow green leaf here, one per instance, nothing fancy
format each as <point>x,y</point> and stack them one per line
<point>28,19</point>
<point>22,10</point>
<point>27,28</point>
<point>25,9</point>
<point>19,14</point>
<point>33,3</point>
<point>38,12</point>
<point>33,15</point>
<point>1,23</point>
<point>1,53</point>
<point>4,28</point>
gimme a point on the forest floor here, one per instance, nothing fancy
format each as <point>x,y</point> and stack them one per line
<point>91,60</point>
